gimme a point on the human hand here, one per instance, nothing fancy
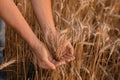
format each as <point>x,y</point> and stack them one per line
<point>59,46</point>
<point>44,59</point>
<point>68,54</point>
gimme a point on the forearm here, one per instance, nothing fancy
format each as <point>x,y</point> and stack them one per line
<point>10,13</point>
<point>42,9</point>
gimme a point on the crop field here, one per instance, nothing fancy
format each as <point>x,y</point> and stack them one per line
<point>93,27</point>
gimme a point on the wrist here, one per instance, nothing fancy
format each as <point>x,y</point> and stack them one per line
<point>49,29</point>
<point>34,43</point>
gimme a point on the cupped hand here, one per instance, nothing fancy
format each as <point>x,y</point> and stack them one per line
<point>68,54</point>
<point>44,59</point>
<point>53,38</point>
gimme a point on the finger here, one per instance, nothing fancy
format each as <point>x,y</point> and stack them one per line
<point>50,65</point>
<point>58,63</point>
<point>71,49</point>
<point>61,62</point>
<point>73,58</point>
<point>68,58</point>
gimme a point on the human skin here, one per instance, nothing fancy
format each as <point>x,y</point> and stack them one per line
<point>12,16</point>
<point>43,11</point>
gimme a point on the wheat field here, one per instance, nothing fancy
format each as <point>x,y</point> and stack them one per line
<point>94,29</point>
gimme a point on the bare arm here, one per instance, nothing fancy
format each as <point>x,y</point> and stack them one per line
<point>10,13</point>
<point>42,9</point>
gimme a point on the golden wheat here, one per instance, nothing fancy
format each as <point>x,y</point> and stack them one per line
<point>93,28</point>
